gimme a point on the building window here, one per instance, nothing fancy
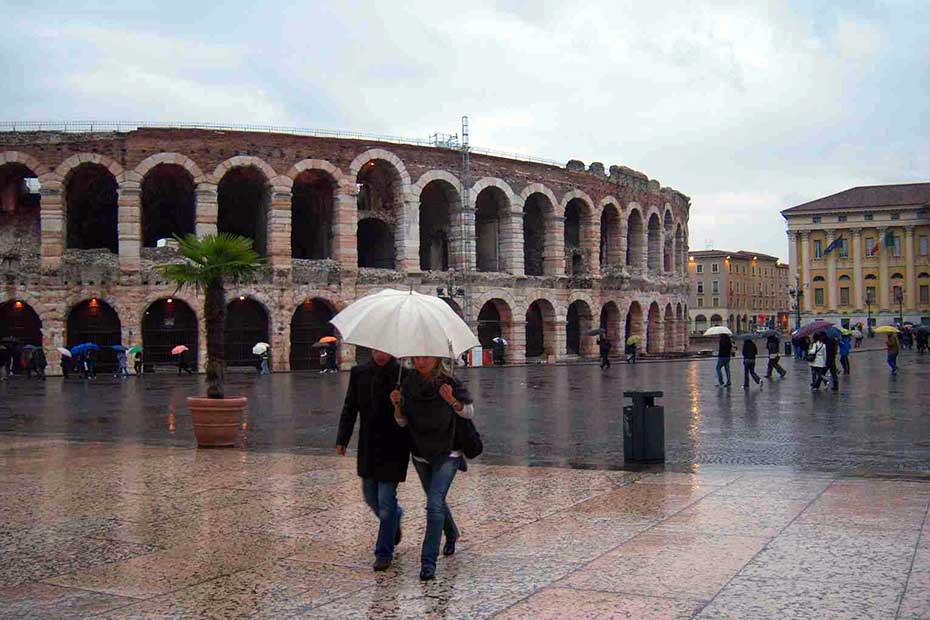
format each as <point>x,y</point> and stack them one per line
<point>869,217</point>
<point>700,288</point>
<point>818,296</point>
<point>841,218</point>
<point>870,294</point>
<point>896,250</point>
<point>844,296</point>
<point>870,248</point>
<point>924,294</point>
<point>895,217</point>
<point>716,302</point>
<point>816,219</point>
<point>700,268</point>
<point>844,248</point>
<point>924,245</point>
<point>896,292</point>
<point>818,248</point>
<point>700,302</point>
<point>715,287</point>
<point>714,268</point>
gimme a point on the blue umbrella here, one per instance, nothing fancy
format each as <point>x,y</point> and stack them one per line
<point>83,348</point>
<point>119,347</point>
<point>833,333</point>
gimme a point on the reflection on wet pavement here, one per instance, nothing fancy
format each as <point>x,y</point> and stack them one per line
<point>540,415</point>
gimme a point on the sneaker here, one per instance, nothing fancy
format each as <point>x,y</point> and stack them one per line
<point>381,564</point>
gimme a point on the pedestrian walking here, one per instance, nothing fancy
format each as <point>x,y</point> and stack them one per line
<point>184,364</point>
<point>331,358</point>
<point>383,447</point>
<point>497,345</point>
<point>66,365</point>
<point>121,369</point>
<point>90,364</point>
<point>907,339</point>
<point>427,404</point>
<point>749,363</point>
<point>894,347</point>
<point>137,363</point>
<point>37,364</point>
<point>604,345</point>
<point>631,353</point>
<point>817,357</point>
<point>832,354</point>
<point>923,342</point>
<point>845,348</point>
<point>772,345</point>
<point>263,358</point>
<point>724,353</point>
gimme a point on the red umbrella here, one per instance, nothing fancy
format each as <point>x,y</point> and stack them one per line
<point>178,350</point>
<point>812,328</point>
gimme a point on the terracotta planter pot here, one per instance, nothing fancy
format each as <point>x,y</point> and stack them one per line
<point>217,420</point>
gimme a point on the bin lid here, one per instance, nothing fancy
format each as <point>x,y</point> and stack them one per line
<point>638,394</point>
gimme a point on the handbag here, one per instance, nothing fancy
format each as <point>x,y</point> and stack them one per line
<point>469,437</point>
<point>813,356</point>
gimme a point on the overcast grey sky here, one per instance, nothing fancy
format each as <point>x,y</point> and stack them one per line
<point>747,107</point>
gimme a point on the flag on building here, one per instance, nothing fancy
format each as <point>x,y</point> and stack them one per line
<point>889,239</point>
<point>874,249</point>
<point>833,245</point>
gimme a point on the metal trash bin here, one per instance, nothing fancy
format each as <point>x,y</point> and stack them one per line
<point>643,429</point>
<point>787,348</point>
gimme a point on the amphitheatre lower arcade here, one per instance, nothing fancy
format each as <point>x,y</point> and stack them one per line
<point>537,253</point>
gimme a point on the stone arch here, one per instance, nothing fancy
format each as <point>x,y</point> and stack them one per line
<point>20,209</point>
<point>486,182</point>
<point>492,204</point>
<point>669,328</point>
<point>165,323</point>
<point>717,320</point>
<point>90,199</point>
<point>438,175</point>
<point>383,193</point>
<point>244,199</point>
<point>700,324</point>
<point>633,325</point>
<point>577,233</point>
<point>610,321</point>
<point>654,242</point>
<point>578,322</point>
<point>440,224</point>
<point>635,238</point>
<point>668,242</point>
<point>576,194</point>
<point>538,188</point>
<point>654,329</point>
<point>146,165</point>
<point>65,168</point>
<point>20,321</point>
<point>313,210</point>
<point>97,321</point>
<point>539,237</point>
<point>244,161</point>
<point>376,244</point>
<point>315,164</point>
<point>248,321</point>
<point>16,157</point>
<point>681,258</point>
<point>309,323</point>
<point>168,202</point>
<point>495,320</point>
<point>611,247</point>
<point>383,155</point>
<point>541,320</point>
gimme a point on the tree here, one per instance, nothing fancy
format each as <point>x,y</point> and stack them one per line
<point>210,263</point>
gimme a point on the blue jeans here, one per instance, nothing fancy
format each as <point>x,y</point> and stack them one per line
<point>724,363</point>
<point>893,361</point>
<point>436,480</point>
<point>264,369</point>
<point>381,497</point>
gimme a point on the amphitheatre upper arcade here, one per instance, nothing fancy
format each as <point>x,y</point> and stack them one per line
<point>543,253</point>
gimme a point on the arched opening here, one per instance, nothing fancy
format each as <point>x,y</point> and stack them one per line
<point>577,221</point>
<point>91,199</point>
<point>495,320</point>
<point>610,323</point>
<point>20,230</point>
<point>491,209</point>
<point>634,240</point>
<point>95,321</point>
<point>312,198</point>
<point>634,322</point>
<point>168,203</point>
<point>540,329</point>
<point>577,325</point>
<point>680,259</point>
<point>437,201</point>
<point>380,197</point>
<point>669,329</point>
<point>243,201</point>
<point>609,255</point>
<point>536,210</point>
<point>166,324</point>
<point>700,324</point>
<point>655,243</point>
<point>654,329</point>
<point>246,325</point>
<point>375,244</point>
<point>667,249</point>
<point>309,323</point>
<point>19,322</point>
<point>682,331</point>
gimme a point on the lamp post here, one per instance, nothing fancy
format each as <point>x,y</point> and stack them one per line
<point>899,297</point>
<point>453,291</point>
<point>869,300</point>
<point>797,294</point>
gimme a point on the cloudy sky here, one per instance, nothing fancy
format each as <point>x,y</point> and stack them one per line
<point>747,107</point>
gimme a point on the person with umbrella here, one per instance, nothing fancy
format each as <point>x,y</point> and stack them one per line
<point>831,341</point>
<point>724,353</point>
<point>846,345</point>
<point>604,345</point>
<point>892,345</point>
<point>65,362</point>
<point>498,345</point>
<point>383,447</point>
<point>138,362</point>
<point>37,362</point>
<point>749,363</point>
<point>183,365</point>
<point>121,362</point>
<point>772,345</point>
<point>817,357</point>
<point>90,363</point>
<point>631,343</point>
<point>921,339</point>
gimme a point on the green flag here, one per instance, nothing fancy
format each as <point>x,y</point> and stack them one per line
<point>889,239</point>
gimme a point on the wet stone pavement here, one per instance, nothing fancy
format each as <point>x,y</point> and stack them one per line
<point>776,504</point>
<point>567,416</point>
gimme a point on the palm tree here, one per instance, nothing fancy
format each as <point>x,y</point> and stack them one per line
<point>210,263</point>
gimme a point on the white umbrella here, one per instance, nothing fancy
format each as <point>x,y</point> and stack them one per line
<point>405,324</point>
<point>64,351</point>
<point>499,339</point>
<point>717,330</point>
<point>260,347</point>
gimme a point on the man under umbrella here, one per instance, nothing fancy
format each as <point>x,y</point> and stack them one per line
<point>604,345</point>
<point>383,447</point>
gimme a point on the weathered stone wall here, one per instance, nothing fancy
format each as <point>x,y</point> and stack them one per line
<point>129,281</point>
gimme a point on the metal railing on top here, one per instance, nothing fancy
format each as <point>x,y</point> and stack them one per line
<point>122,126</point>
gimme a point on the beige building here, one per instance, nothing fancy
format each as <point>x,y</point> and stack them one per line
<point>863,253</point>
<point>742,290</point>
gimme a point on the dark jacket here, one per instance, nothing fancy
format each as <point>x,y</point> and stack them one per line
<point>604,345</point>
<point>749,350</point>
<point>832,348</point>
<point>772,344</point>
<point>383,446</point>
<point>726,346</point>
<point>430,418</point>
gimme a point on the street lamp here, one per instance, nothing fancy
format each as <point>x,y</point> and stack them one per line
<point>869,300</point>
<point>899,297</point>
<point>797,294</point>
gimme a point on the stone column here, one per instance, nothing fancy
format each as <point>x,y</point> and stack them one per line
<point>883,292</point>
<point>832,301</point>
<point>279,227</point>
<point>793,255</point>
<point>459,225</point>
<point>621,262</point>
<point>206,209</point>
<point>129,225</point>
<point>805,272</point>
<point>591,242</point>
<point>407,236</point>
<point>52,223</point>
<point>345,227</point>
<point>554,250</point>
<point>558,344</point>
<point>910,280</point>
<point>512,241</point>
<point>857,295</point>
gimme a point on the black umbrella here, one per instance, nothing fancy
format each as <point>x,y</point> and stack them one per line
<point>600,331</point>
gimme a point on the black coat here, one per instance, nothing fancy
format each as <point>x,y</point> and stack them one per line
<point>430,419</point>
<point>383,446</point>
<point>749,350</point>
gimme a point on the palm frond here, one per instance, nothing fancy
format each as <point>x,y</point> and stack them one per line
<point>223,257</point>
